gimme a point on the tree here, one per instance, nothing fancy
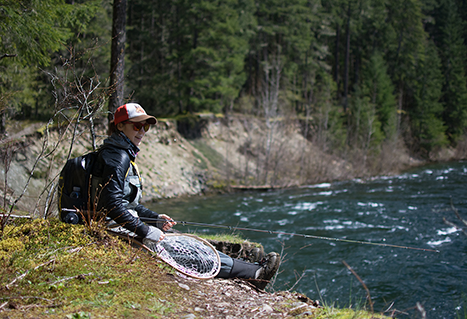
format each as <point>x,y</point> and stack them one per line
<point>30,32</point>
<point>452,49</point>
<point>188,56</point>
<point>427,123</point>
<point>117,55</point>
<point>405,47</point>
<point>378,87</point>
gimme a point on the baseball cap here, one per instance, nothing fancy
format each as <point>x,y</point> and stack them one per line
<point>132,112</point>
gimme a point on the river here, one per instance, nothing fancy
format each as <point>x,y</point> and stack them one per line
<point>404,210</point>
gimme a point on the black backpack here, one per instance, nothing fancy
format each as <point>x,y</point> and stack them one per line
<point>77,188</point>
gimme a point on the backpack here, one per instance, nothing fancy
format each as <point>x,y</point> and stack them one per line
<point>77,188</point>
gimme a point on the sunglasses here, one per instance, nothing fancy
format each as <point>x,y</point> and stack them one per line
<point>137,126</point>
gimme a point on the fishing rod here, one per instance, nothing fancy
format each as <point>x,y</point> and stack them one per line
<point>184,223</point>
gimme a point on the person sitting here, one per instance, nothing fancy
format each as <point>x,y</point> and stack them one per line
<point>121,196</point>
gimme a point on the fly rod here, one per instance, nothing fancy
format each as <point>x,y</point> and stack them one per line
<point>146,219</point>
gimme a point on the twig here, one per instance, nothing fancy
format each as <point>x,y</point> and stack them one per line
<point>297,281</point>
<point>80,276</point>
<point>363,284</point>
<point>282,257</point>
<point>27,272</point>
<point>447,222</point>
<point>457,214</point>
<point>28,297</point>
<point>71,251</point>
<point>317,288</point>
<point>6,55</point>
<point>14,216</point>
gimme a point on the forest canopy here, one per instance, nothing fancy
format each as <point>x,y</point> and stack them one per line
<point>355,73</point>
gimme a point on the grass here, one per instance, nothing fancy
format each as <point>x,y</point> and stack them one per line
<point>71,272</point>
<point>50,269</point>
<point>225,237</point>
<point>216,159</point>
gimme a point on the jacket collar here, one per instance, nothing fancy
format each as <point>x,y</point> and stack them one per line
<point>120,140</point>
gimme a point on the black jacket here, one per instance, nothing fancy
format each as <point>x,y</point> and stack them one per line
<point>118,193</point>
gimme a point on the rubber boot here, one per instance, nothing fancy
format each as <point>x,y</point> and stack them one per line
<point>236,268</point>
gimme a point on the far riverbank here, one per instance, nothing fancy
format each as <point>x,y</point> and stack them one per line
<point>216,155</point>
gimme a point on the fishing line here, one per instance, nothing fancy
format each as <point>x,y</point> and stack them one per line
<point>146,219</point>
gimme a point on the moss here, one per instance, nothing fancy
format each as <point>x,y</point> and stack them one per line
<point>9,245</point>
<point>201,162</point>
<point>67,265</point>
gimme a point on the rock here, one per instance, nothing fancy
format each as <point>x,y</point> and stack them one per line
<point>267,308</point>
<point>184,286</point>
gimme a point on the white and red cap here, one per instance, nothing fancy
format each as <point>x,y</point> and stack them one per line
<point>132,112</point>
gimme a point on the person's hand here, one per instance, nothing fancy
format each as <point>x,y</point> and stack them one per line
<point>168,224</point>
<point>153,236</point>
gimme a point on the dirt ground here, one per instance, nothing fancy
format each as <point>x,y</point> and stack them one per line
<point>225,298</point>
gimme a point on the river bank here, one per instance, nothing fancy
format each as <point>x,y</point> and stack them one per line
<point>217,155</point>
<point>65,273</point>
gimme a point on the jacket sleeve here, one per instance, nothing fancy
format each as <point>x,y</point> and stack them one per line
<point>115,166</point>
<point>146,212</point>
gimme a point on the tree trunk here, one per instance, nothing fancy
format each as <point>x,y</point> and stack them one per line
<point>347,60</point>
<point>117,56</point>
<point>336,58</point>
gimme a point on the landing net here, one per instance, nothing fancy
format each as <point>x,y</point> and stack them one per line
<point>189,254</point>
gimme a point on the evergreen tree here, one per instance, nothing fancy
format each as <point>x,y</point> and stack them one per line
<point>378,87</point>
<point>428,128</point>
<point>452,51</point>
<point>405,48</point>
<point>30,32</point>
<point>189,55</point>
<point>286,41</point>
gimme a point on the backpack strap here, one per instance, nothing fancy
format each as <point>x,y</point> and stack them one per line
<point>133,164</point>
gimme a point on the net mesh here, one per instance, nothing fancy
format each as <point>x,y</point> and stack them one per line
<point>189,255</point>
<point>186,253</point>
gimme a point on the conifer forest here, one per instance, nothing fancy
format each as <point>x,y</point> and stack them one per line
<point>358,74</point>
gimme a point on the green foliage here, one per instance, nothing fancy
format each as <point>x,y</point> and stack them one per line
<point>327,118</point>
<point>366,133</point>
<point>262,57</point>
<point>208,152</point>
<point>427,125</point>
<point>378,88</point>
<point>33,31</point>
<point>199,64</point>
<point>452,51</point>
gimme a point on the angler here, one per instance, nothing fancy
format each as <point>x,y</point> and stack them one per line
<point>120,193</point>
